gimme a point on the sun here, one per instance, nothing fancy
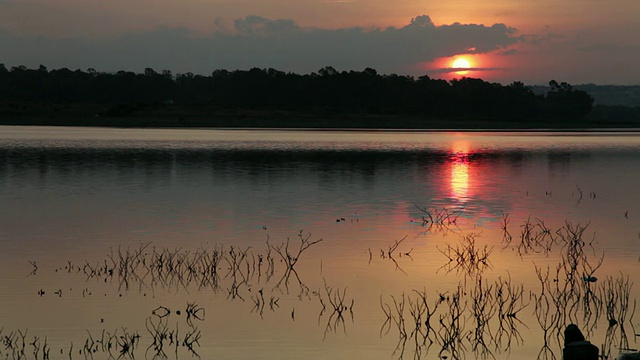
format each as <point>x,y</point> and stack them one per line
<point>461,63</point>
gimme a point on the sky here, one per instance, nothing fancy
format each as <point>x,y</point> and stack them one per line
<point>577,41</point>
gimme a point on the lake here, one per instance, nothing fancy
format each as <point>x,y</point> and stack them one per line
<point>277,244</point>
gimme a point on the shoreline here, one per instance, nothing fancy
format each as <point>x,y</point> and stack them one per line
<point>355,130</point>
<point>325,126</point>
<point>189,118</point>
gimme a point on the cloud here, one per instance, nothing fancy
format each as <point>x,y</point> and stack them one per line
<point>541,39</point>
<point>610,48</point>
<point>255,41</point>
<point>256,25</point>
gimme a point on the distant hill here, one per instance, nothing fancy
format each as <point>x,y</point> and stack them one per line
<point>613,95</point>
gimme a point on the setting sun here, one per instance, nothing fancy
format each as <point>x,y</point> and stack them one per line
<point>461,63</point>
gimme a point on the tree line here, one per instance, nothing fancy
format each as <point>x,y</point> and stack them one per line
<point>325,91</point>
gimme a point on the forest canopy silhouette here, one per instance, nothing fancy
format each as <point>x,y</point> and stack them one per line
<point>327,92</point>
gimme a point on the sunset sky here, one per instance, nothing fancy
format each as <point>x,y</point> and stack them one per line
<point>578,41</point>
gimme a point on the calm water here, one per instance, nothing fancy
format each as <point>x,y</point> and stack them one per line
<point>107,234</point>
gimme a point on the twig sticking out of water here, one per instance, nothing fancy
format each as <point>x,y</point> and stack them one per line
<point>40,346</point>
<point>466,256</point>
<point>435,219</point>
<point>490,308</point>
<point>337,300</point>
<point>579,193</point>
<point>160,334</point>
<point>392,252</point>
<point>615,294</point>
<point>535,236</point>
<point>547,318</point>
<point>232,269</point>
<point>14,344</point>
<point>569,294</point>
<point>194,312</point>
<point>506,235</point>
<point>509,301</point>
<point>35,268</point>
<point>451,333</point>
<point>290,256</point>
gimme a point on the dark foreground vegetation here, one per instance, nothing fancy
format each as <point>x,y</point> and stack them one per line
<point>272,98</point>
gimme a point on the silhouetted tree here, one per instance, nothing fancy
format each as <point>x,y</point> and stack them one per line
<point>150,72</point>
<point>563,101</point>
<point>325,92</point>
<point>327,71</point>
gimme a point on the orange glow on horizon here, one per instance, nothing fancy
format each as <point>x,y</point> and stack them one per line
<point>482,66</point>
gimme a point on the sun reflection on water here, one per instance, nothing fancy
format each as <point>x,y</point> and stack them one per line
<point>460,180</point>
<point>460,170</point>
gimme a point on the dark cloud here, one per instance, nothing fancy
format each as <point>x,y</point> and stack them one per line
<point>259,42</point>
<point>256,25</point>
<point>610,48</point>
<point>541,39</point>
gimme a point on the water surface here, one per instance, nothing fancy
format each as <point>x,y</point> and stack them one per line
<point>73,199</point>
